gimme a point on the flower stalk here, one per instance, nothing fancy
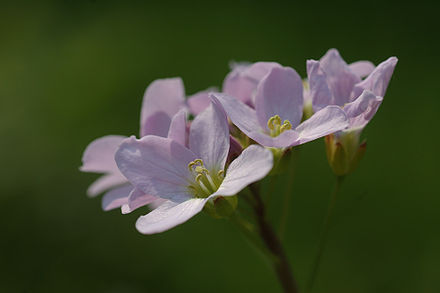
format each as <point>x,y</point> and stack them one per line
<point>270,239</point>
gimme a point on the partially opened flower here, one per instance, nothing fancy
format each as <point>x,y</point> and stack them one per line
<point>333,82</point>
<point>275,121</point>
<point>190,178</point>
<point>162,100</point>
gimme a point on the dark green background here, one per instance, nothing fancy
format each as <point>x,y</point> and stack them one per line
<point>73,71</point>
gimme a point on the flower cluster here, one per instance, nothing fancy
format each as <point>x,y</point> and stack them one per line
<point>197,153</point>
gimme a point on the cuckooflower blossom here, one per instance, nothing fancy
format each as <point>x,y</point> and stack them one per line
<point>162,100</point>
<point>333,82</point>
<point>275,121</point>
<point>189,178</point>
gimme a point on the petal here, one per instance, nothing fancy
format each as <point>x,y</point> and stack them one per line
<point>360,105</point>
<point>254,163</point>
<point>156,124</point>
<point>377,81</point>
<point>177,131</point>
<point>340,78</point>
<point>319,91</point>
<point>209,137</point>
<point>285,139</point>
<point>116,197</point>
<point>168,215</point>
<point>106,182</point>
<point>325,121</point>
<point>165,96</point>
<point>280,93</point>
<point>242,81</point>
<point>362,68</point>
<point>199,101</point>
<point>362,110</point>
<point>136,199</point>
<point>157,166</point>
<point>243,116</point>
<point>99,155</point>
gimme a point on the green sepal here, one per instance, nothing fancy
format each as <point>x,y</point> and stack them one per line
<point>221,207</point>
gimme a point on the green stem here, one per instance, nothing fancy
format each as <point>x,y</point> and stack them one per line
<point>324,233</point>
<point>280,262</point>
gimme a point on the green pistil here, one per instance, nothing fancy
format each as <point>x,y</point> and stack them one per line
<point>275,126</point>
<point>205,183</point>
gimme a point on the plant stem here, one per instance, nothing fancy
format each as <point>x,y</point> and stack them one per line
<point>325,228</point>
<point>273,244</point>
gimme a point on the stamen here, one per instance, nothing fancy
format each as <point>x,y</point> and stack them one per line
<point>204,183</point>
<point>286,125</point>
<point>275,127</point>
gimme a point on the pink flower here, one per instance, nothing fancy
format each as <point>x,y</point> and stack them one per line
<point>333,82</point>
<point>163,99</point>
<point>275,121</point>
<point>188,178</point>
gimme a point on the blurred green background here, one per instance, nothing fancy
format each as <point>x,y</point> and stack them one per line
<point>72,71</point>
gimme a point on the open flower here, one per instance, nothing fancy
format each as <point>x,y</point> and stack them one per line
<point>162,101</point>
<point>189,178</point>
<point>333,82</point>
<point>275,122</point>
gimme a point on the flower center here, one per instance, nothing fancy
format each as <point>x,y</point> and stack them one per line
<point>275,126</point>
<point>205,182</point>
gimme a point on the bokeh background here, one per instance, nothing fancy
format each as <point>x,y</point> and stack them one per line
<point>72,71</point>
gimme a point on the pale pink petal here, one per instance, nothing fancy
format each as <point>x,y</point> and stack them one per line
<point>340,78</point>
<point>377,81</point>
<point>137,199</point>
<point>362,68</point>
<point>280,93</point>
<point>243,116</point>
<point>116,197</point>
<point>157,166</point>
<point>254,163</point>
<point>162,99</point>
<point>283,140</point>
<point>362,110</point>
<point>325,121</point>
<point>209,137</point>
<point>199,101</point>
<point>177,131</point>
<point>106,182</point>
<point>360,105</point>
<point>168,215</point>
<point>99,155</point>
<point>241,83</point>
<point>319,91</point>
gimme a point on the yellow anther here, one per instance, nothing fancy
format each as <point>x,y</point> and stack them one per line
<point>286,125</point>
<point>275,127</point>
<point>201,170</point>
<point>190,166</point>
<point>199,161</point>
<point>220,173</point>
<point>199,177</point>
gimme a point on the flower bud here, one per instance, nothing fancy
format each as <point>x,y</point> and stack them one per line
<point>344,151</point>
<point>221,207</point>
